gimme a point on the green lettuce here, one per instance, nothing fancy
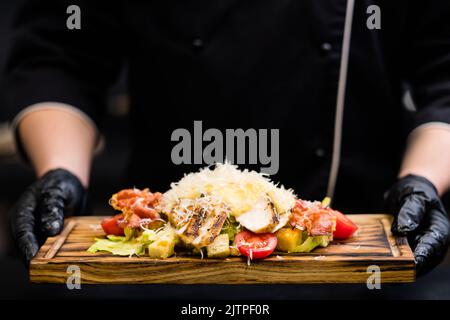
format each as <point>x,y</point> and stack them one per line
<point>118,247</point>
<point>231,227</point>
<point>127,245</point>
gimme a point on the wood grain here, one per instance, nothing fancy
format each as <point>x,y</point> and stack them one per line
<point>340,262</point>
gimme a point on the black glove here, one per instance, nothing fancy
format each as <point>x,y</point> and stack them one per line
<point>420,216</point>
<point>39,212</point>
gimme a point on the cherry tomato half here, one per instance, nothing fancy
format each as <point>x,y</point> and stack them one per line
<point>112,225</point>
<point>255,245</point>
<point>345,227</point>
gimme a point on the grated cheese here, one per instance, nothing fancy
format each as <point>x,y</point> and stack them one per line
<point>240,190</point>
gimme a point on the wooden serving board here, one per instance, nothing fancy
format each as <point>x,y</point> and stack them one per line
<point>340,262</point>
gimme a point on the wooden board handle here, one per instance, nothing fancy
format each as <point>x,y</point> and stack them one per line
<point>60,240</point>
<point>390,237</point>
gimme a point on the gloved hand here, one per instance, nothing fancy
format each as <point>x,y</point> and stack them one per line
<point>420,216</point>
<point>39,212</point>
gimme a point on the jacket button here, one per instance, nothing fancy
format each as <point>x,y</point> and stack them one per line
<point>197,44</point>
<point>320,153</point>
<point>326,46</point>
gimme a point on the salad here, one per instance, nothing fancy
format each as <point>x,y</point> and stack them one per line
<point>219,212</point>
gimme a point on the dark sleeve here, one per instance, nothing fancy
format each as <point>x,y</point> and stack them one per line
<point>50,63</point>
<point>428,60</point>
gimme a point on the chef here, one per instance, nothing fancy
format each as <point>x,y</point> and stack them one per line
<point>313,70</point>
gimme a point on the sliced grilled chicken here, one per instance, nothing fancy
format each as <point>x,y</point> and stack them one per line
<point>263,217</point>
<point>199,222</point>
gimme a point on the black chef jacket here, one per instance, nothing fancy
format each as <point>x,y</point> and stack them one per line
<point>246,64</point>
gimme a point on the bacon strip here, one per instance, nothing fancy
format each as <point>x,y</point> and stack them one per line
<point>313,218</point>
<point>136,203</point>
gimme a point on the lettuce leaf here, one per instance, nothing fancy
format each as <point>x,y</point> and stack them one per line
<point>127,245</point>
<point>115,238</point>
<point>231,228</point>
<point>118,247</point>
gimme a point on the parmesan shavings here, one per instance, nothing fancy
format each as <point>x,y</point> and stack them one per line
<point>240,190</point>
